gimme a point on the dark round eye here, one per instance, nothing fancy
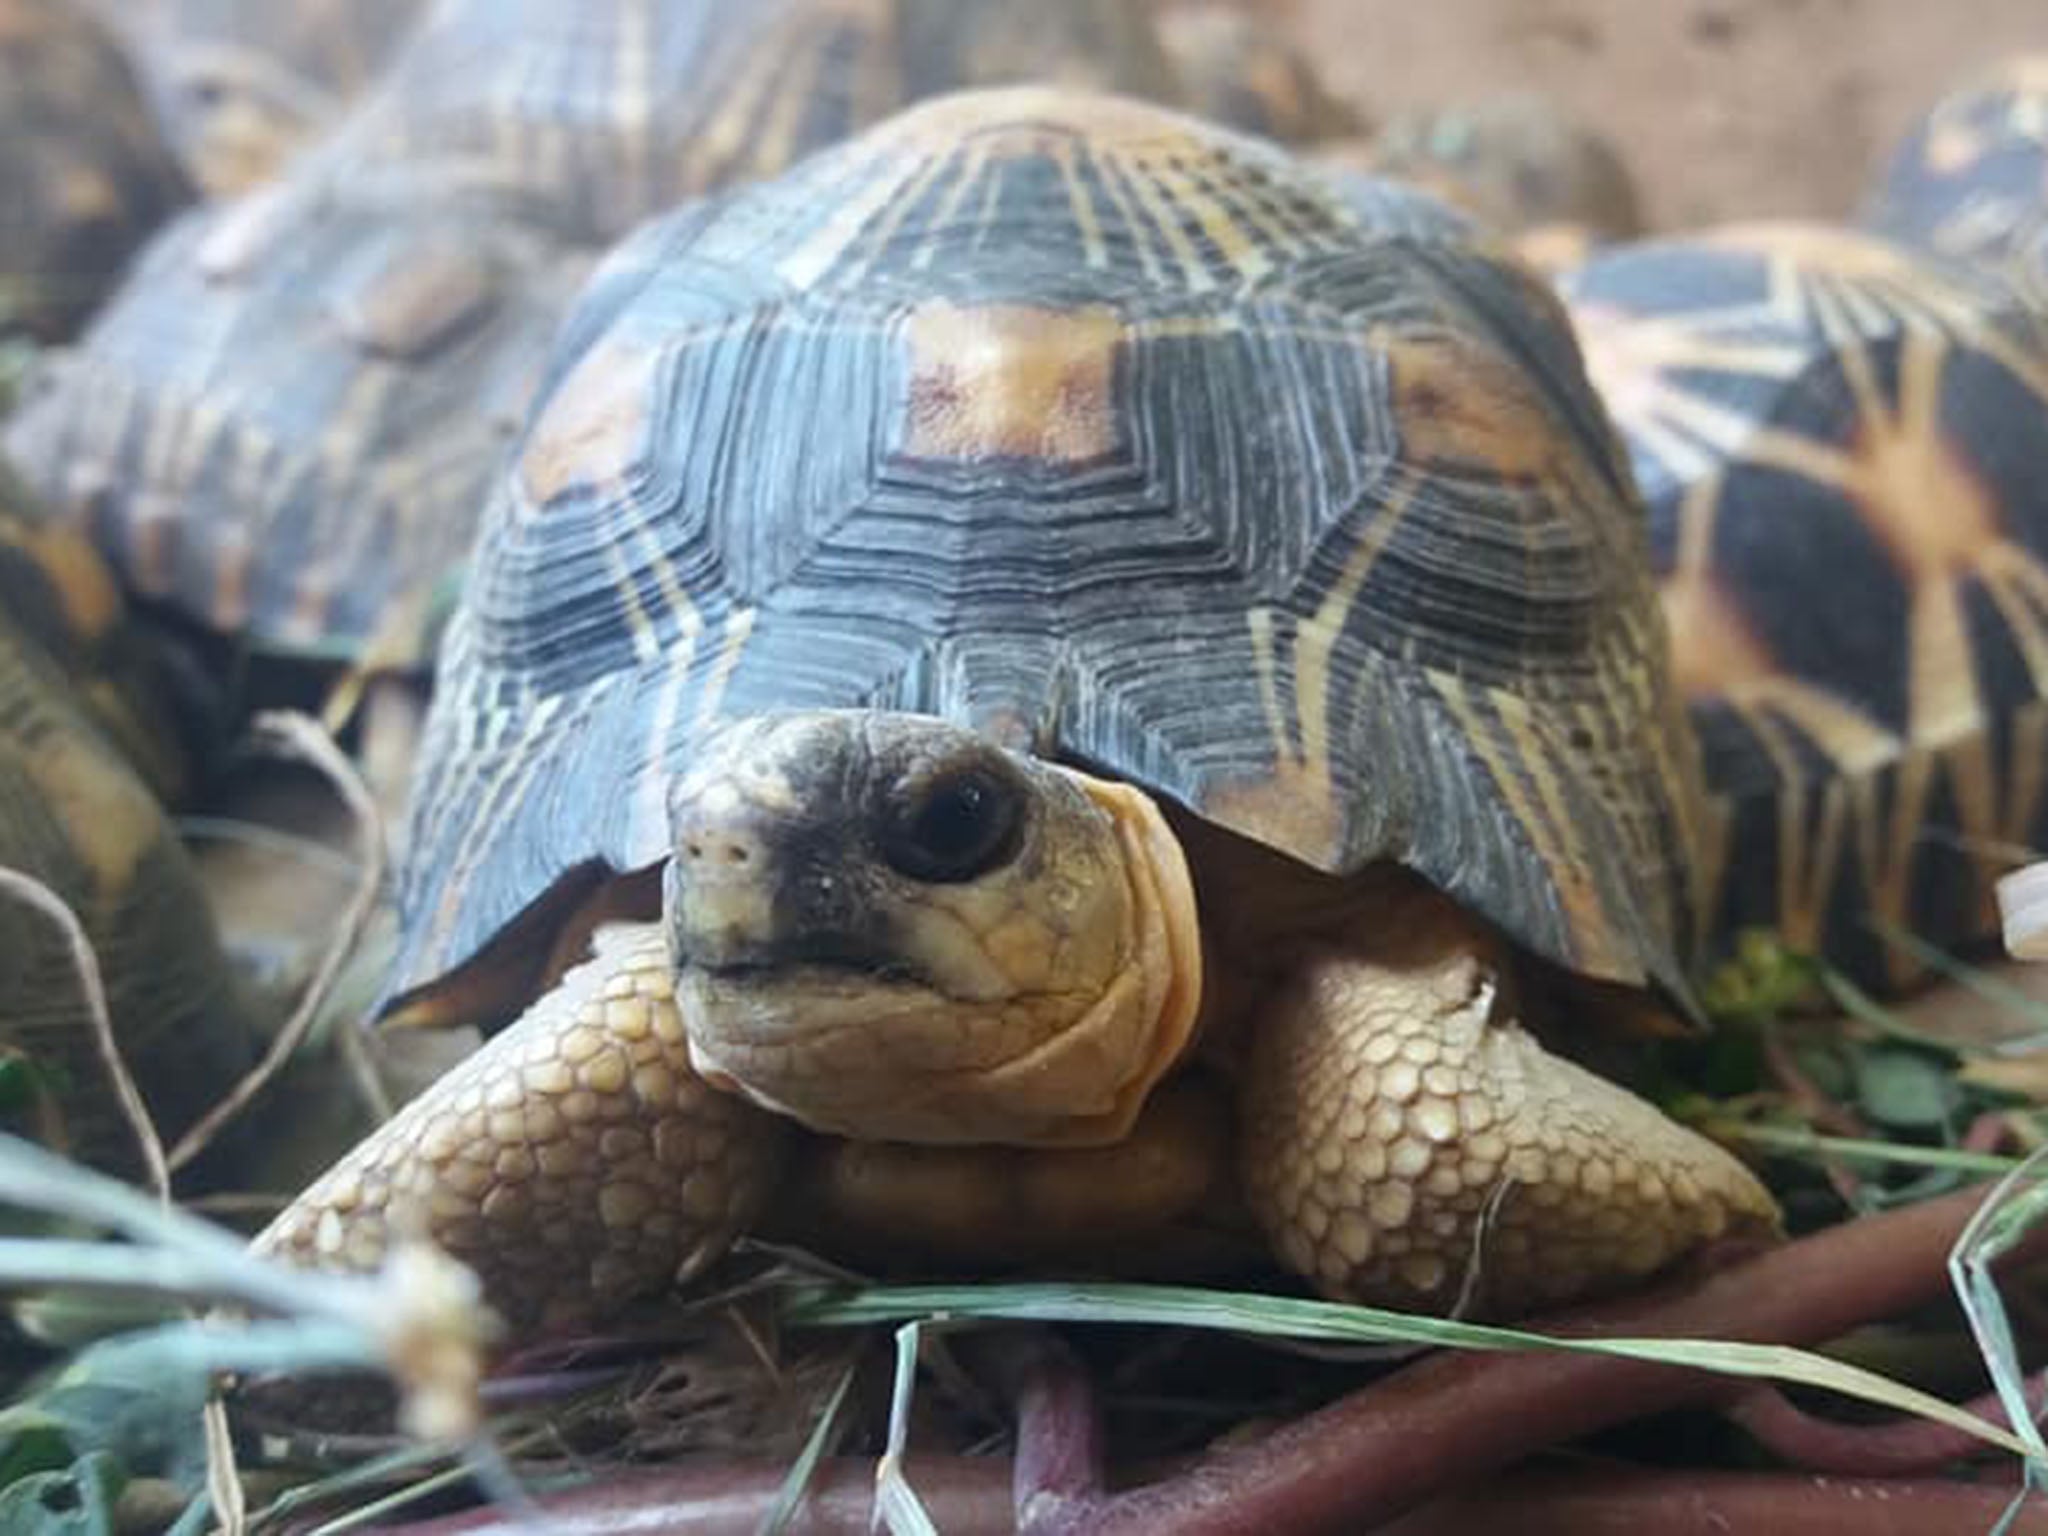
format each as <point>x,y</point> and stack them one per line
<point>954,827</point>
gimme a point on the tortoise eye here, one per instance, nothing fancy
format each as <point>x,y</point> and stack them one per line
<point>954,827</point>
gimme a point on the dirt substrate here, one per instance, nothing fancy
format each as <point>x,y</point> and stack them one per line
<point>1725,109</point>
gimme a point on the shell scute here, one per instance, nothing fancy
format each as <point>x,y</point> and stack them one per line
<point>1268,562</point>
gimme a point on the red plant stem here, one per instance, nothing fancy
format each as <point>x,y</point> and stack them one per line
<point>1576,1502</point>
<point>1453,1418</point>
<point>965,1496</point>
<point>1059,1426</point>
<point>969,1496</point>
<point>1899,1448</point>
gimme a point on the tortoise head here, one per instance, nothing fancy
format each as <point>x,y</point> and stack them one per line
<point>890,928</point>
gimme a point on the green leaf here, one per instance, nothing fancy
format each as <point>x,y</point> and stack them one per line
<point>128,1401</point>
<point>76,1501</point>
<point>35,1444</point>
<point>1906,1089</point>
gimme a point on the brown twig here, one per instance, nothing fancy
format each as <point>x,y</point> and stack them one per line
<point>302,737</point>
<point>965,1496</point>
<point>1584,1502</point>
<point>1454,1418</point>
<point>1899,1448</point>
<point>30,891</point>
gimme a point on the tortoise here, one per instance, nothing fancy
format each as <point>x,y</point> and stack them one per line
<point>276,430</point>
<point>1799,398</point>
<point>1520,162</point>
<point>611,110</point>
<point>285,428</point>
<point>1240,70</point>
<point>84,173</point>
<point>243,86</point>
<point>84,757</point>
<point>1038,629</point>
<point>1970,179</point>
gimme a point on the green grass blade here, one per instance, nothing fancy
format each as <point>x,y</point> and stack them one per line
<point>1299,1317</point>
<point>797,1482</point>
<point>2015,1207</point>
<point>902,1512</point>
<point>1799,1141</point>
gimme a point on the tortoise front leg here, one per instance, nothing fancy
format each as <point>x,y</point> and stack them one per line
<point>575,1162</point>
<point>1405,1136</point>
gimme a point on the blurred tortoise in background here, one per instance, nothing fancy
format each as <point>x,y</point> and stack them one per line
<point>1003,635</point>
<point>84,757</point>
<point>1840,442</point>
<point>85,175</point>
<point>1520,163</point>
<point>1970,180</point>
<point>242,86</point>
<point>608,111</point>
<point>277,431</point>
<point>284,430</point>
<point>1238,68</point>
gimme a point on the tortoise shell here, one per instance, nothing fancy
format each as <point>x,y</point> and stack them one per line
<point>1840,445</point>
<point>61,599</point>
<point>84,173</point>
<point>283,425</point>
<point>610,110</point>
<point>287,426</point>
<point>75,815</point>
<point>1240,70</point>
<point>1970,179</point>
<point>243,85</point>
<point>1519,163</point>
<point>1111,433</point>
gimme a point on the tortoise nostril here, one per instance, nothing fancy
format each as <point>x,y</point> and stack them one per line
<point>731,852</point>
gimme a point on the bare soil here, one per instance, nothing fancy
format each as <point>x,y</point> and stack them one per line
<point>1725,109</point>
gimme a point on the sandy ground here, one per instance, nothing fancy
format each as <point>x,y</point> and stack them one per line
<point>1724,108</point>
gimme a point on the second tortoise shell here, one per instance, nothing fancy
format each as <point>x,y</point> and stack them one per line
<point>1839,441</point>
<point>1114,434</point>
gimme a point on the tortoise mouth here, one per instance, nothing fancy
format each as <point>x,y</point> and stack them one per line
<point>784,964</point>
<point>787,972</point>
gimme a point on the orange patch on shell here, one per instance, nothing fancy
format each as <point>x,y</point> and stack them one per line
<point>1714,652</point>
<point>418,298</point>
<point>1011,381</point>
<point>594,428</point>
<point>1291,809</point>
<point>1460,404</point>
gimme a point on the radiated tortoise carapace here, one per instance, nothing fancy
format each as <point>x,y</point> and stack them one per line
<point>612,110</point>
<point>1044,635</point>
<point>1238,68</point>
<point>1521,163</point>
<point>243,86</point>
<point>85,175</point>
<point>278,428</point>
<point>1970,180</point>
<point>285,428</point>
<point>78,814</point>
<point>1840,444</point>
